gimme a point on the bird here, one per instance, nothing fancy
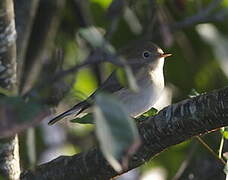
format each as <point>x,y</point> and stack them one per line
<point>148,72</point>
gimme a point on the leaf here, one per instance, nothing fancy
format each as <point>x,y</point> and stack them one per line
<point>132,21</point>
<point>116,131</point>
<point>151,112</point>
<point>126,78</point>
<point>5,92</point>
<point>103,3</point>
<point>193,93</point>
<point>225,133</point>
<point>87,119</point>
<point>147,114</point>
<point>16,114</point>
<point>131,79</point>
<point>95,39</point>
<point>121,75</point>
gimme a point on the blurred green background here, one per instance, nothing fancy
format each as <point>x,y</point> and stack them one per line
<point>199,61</point>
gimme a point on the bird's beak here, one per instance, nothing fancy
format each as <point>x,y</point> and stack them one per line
<point>165,55</point>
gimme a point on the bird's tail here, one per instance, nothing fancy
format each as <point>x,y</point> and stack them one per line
<point>71,113</point>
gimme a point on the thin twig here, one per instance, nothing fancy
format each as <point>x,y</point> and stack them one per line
<point>186,162</point>
<point>210,150</point>
<point>62,74</point>
<point>95,58</point>
<point>199,17</point>
<point>221,144</point>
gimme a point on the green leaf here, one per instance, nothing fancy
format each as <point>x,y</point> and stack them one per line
<point>5,92</point>
<point>131,79</point>
<point>103,3</point>
<point>16,114</point>
<point>147,114</point>
<point>116,131</point>
<point>87,119</point>
<point>126,78</point>
<point>24,111</point>
<point>151,112</point>
<point>225,133</point>
<point>193,93</point>
<point>121,75</point>
<point>2,178</point>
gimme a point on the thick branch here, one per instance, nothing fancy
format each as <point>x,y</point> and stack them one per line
<point>172,125</point>
<point>9,158</point>
<point>9,155</point>
<point>7,46</point>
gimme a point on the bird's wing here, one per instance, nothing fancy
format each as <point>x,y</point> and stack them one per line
<point>71,113</point>
<point>110,85</point>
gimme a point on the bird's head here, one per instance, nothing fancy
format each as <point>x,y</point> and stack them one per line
<point>150,55</point>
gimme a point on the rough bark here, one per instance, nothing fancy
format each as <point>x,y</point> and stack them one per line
<point>9,158</point>
<point>7,46</point>
<point>172,125</point>
<point>9,155</point>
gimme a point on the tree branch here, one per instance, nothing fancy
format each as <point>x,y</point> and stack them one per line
<point>172,125</point>
<point>9,158</point>
<point>7,46</point>
<point>9,155</point>
<point>201,16</point>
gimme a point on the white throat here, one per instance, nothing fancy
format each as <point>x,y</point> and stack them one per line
<point>157,75</point>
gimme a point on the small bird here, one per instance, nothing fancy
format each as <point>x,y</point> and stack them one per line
<point>148,72</point>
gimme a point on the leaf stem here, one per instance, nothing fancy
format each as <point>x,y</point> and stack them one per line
<point>221,144</point>
<point>201,141</point>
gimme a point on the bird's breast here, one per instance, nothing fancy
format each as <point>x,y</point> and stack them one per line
<point>136,103</point>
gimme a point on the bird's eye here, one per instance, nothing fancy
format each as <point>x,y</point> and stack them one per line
<point>146,54</point>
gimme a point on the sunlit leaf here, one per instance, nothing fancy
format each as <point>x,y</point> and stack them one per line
<point>126,78</point>
<point>131,79</point>
<point>120,73</point>
<point>116,131</point>
<point>147,114</point>
<point>193,93</point>
<point>95,39</point>
<point>87,119</point>
<point>151,112</point>
<point>132,21</point>
<point>85,84</point>
<point>103,3</point>
<point>225,133</point>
